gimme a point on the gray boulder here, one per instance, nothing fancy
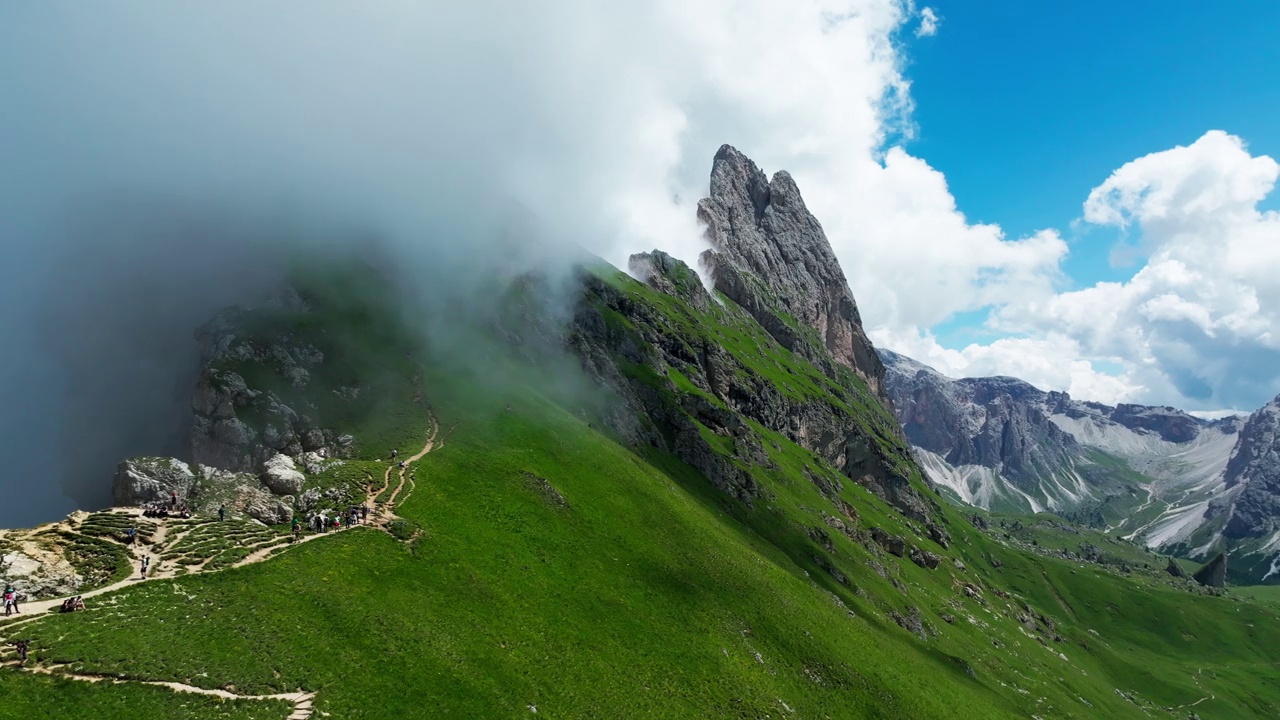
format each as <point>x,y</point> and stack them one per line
<point>266,508</point>
<point>924,558</point>
<point>892,544</point>
<point>152,479</point>
<point>281,476</point>
<point>1214,573</point>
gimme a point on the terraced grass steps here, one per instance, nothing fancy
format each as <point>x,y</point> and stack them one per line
<point>191,547</point>
<point>208,541</point>
<point>115,525</point>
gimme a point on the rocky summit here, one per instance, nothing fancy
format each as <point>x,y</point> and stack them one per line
<point>773,269</point>
<point>770,256</point>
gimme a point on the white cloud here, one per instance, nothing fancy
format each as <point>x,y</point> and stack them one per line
<point>1051,362</point>
<point>1198,325</point>
<point>929,22</point>
<point>601,120</point>
<point>427,121</point>
<point>1219,414</point>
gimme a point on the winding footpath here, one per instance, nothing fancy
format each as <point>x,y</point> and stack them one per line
<point>381,515</point>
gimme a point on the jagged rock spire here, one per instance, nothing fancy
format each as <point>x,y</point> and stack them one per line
<point>770,255</point>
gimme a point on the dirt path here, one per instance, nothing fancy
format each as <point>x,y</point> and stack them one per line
<point>384,512</point>
<point>302,701</point>
<point>380,516</point>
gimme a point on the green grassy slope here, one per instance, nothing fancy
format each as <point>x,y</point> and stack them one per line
<point>24,696</point>
<point>559,570</point>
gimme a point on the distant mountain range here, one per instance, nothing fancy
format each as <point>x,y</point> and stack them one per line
<point>1158,475</point>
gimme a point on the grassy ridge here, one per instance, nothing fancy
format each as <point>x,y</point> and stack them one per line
<point>560,571</point>
<point>651,596</point>
<point>638,600</point>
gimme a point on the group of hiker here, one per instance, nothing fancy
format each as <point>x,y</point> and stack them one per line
<point>322,521</point>
<point>10,600</point>
<point>162,510</point>
<point>72,604</point>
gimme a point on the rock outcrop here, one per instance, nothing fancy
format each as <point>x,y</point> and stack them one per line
<point>38,570</point>
<point>220,435</point>
<point>204,489</point>
<point>1255,465</point>
<point>770,256</point>
<point>773,262</point>
<point>892,544</point>
<point>1214,573</point>
<point>144,480</point>
<point>281,476</point>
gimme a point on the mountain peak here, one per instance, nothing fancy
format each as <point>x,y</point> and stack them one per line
<point>769,255</point>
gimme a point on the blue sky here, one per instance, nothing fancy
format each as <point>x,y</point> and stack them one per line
<point>1027,106</point>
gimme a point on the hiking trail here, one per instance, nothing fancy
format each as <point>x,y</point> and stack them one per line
<point>169,534</point>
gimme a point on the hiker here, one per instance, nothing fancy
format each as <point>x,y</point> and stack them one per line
<point>222,513</point>
<point>337,521</point>
<point>146,563</point>
<point>23,646</point>
<point>364,513</point>
<point>401,464</point>
<point>10,601</point>
<point>394,453</point>
<point>132,533</point>
<point>173,499</point>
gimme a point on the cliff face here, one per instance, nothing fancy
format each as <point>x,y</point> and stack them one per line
<point>999,440</point>
<point>220,436</point>
<point>999,423</point>
<point>698,373</point>
<point>1255,465</point>
<point>770,256</point>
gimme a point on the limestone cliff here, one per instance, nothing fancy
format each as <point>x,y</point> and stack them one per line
<point>693,376</point>
<point>769,255</point>
<point>1255,465</point>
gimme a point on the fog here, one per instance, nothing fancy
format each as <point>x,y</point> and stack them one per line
<point>162,161</point>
